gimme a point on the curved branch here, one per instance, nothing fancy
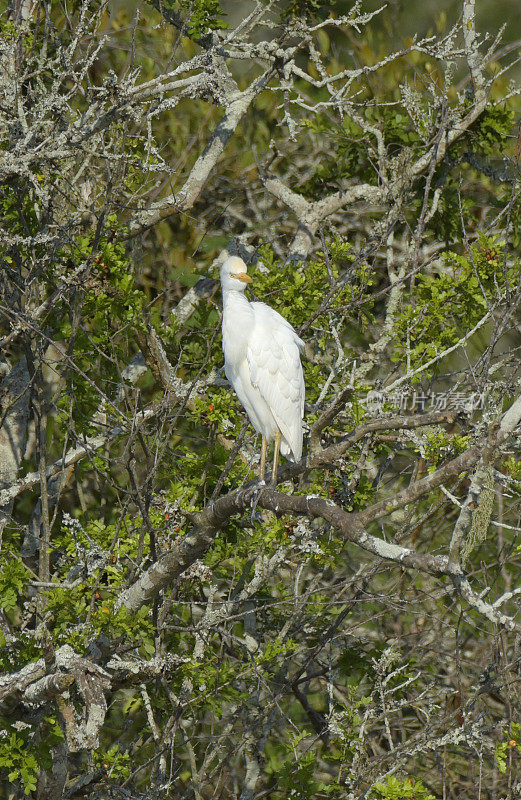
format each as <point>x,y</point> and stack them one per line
<point>191,547</point>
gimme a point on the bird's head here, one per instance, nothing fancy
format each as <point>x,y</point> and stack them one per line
<point>234,275</point>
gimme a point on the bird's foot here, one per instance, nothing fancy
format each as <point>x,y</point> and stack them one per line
<point>252,497</point>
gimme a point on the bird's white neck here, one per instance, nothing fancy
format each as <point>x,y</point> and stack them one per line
<point>234,300</point>
<point>238,321</point>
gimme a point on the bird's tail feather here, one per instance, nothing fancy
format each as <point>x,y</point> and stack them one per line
<point>286,450</point>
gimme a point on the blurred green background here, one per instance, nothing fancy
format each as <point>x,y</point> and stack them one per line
<point>404,18</point>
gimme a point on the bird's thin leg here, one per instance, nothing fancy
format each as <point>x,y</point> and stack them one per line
<point>262,468</point>
<point>278,437</point>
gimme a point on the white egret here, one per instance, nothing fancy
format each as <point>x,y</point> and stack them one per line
<point>262,363</point>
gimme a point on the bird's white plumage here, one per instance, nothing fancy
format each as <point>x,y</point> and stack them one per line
<point>262,362</point>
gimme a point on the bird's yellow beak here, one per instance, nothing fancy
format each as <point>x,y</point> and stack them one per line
<point>241,276</point>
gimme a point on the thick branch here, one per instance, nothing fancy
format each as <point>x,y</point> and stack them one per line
<point>15,391</point>
<point>236,106</point>
<point>189,548</point>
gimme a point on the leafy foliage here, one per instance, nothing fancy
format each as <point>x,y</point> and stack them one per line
<point>14,577</point>
<point>16,761</point>
<point>469,286</point>
<point>508,747</point>
<point>395,789</point>
<point>205,15</point>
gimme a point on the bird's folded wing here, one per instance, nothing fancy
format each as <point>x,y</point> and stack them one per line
<point>276,371</point>
<point>266,317</point>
